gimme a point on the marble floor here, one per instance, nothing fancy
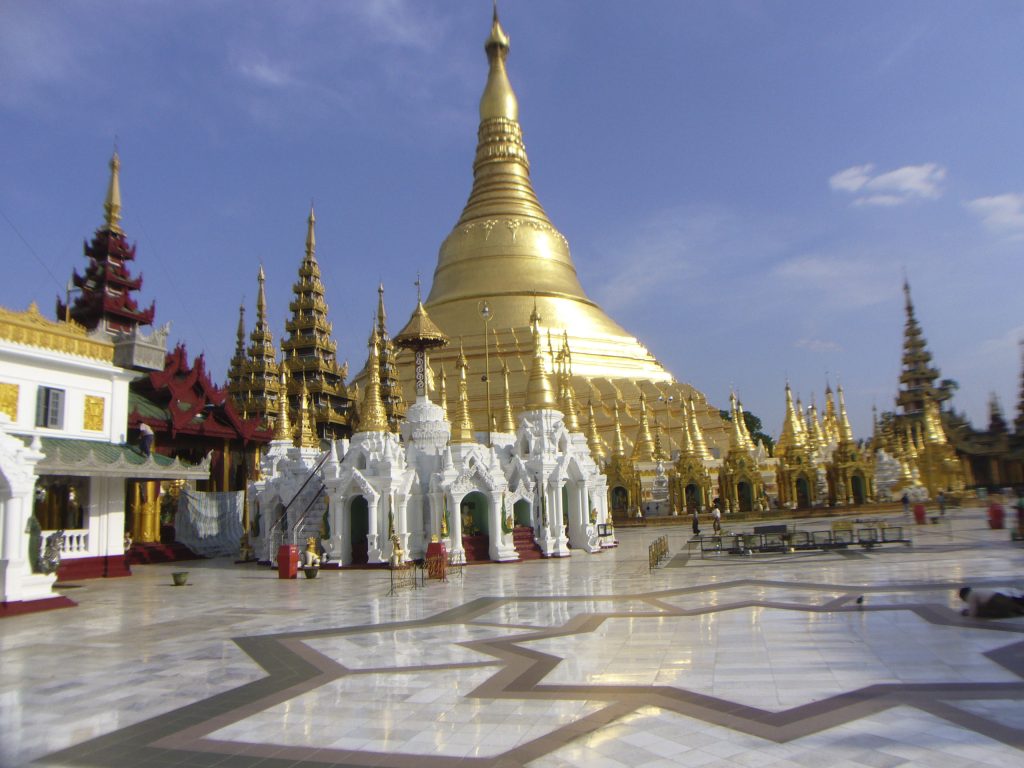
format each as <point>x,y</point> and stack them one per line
<point>597,661</point>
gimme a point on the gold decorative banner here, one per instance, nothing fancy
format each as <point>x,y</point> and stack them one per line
<point>9,400</point>
<point>93,417</point>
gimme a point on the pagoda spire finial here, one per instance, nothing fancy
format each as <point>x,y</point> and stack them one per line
<point>845,430</point>
<point>462,429</point>
<point>700,446</point>
<point>311,234</point>
<point>442,392</point>
<point>539,395</point>
<point>261,298</point>
<point>112,203</point>
<point>382,316</point>
<point>643,450</point>
<point>618,445</point>
<point>373,416</point>
<point>509,422</point>
<point>593,438</point>
<point>282,429</point>
<point>305,434</point>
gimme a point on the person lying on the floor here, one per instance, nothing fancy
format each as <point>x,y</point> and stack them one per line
<point>992,603</point>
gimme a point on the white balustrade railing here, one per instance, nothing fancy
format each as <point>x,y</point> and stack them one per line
<point>76,543</point>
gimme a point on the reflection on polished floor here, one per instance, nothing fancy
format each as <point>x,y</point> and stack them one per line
<point>594,661</point>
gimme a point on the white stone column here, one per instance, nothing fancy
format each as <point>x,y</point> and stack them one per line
<point>500,546</point>
<point>374,535</point>
<point>455,528</point>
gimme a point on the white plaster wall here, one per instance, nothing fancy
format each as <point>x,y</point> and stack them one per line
<point>31,368</point>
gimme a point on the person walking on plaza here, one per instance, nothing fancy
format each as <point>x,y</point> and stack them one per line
<point>716,516</point>
<point>696,523</point>
<point>905,498</point>
<point>941,501</point>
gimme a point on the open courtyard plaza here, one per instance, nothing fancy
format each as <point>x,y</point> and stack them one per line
<point>597,661</point>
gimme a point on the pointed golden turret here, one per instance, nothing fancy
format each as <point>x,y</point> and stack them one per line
<point>792,437</point>
<point>659,448</point>
<point>539,395</point>
<point>593,438</point>
<point>736,441</point>
<point>643,449</point>
<point>462,428</point>
<point>844,428</point>
<point>700,446</point>
<point>311,234</point>
<point>748,441</point>
<point>816,439</point>
<point>568,398</point>
<point>442,393</point>
<point>508,420</point>
<point>934,433</point>
<point>282,427</point>
<point>112,204</point>
<point>830,423</point>
<point>305,434</point>
<point>372,416</point>
<point>685,439</point>
<point>618,445</point>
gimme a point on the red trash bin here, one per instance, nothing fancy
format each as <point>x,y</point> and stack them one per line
<point>287,561</point>
<point>919,514</point>
<point>996,515</point>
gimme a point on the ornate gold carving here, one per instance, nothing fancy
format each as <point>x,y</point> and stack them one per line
<point>34,330</point>
<point>92,418</point>
<point>9,400</point>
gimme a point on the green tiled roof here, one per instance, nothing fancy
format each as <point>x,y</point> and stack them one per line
<point>147,408</point>
<point>70,456</point>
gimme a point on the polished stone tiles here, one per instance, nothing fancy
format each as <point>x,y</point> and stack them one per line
<point>594,661</point>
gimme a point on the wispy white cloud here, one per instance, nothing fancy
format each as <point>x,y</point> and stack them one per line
<point>1001,215</point>
<point>891,188</point>
<point>838,281</point>
<point>818,345</point>
<point>264,72</point>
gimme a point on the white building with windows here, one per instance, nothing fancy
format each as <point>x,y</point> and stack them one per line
<point>63,458</point>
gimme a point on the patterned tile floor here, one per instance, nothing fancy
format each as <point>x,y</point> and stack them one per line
<point>588,661</point>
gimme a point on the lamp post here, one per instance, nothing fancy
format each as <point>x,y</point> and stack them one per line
<point>485,313</point>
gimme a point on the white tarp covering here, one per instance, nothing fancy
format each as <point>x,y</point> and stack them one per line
<point>210,524</point>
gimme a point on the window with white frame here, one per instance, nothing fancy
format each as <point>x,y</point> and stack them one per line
<point>50,408</point>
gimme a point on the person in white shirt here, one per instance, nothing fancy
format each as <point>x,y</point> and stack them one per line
<point>998,603</point>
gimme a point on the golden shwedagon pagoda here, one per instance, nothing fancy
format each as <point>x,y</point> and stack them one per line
<point>505,253</point>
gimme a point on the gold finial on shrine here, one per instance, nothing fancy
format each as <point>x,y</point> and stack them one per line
<point>700,446</point>
<point>282,429</point>
<point>261,298</point>
<point>618,445</point>
<point>382,317</point>
<point>845,430</point>
<point>311,235</point>
<point>462,429</point>
<point>508,418</point>
<point>305,435</point>
<point>373,417</point>
<point>643,449</point>
<point>539,395</point>
<point>498,100</point>
<point>112,204</point>
<point>442,392</point>
<point>593,438</point>
<point>572,421</point>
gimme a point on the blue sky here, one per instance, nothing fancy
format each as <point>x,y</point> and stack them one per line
<point>743,185</point>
